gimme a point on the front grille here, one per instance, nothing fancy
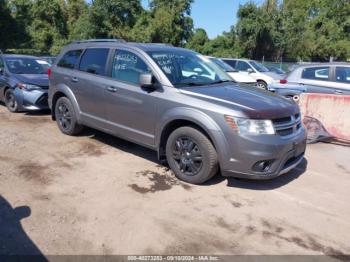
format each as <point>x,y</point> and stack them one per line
<point>287,125</point>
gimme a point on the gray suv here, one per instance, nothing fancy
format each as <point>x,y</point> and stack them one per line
<point>178,103</point>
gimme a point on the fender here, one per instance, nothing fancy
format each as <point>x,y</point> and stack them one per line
<point>62,88</point>
<point>199,118</point>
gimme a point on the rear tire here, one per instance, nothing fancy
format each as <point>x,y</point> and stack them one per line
<point>262,84</point>
<point>66,118</point>
<point>10,101</point>
<point>191,155</point>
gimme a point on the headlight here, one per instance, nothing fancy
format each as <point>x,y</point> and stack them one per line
<point>28,87</point>
<point>250,126</point>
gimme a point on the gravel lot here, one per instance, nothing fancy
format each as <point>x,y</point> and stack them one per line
<point>95,194</point>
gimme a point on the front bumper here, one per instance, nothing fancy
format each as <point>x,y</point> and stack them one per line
<point>284,154</point>
<point>32,100</point>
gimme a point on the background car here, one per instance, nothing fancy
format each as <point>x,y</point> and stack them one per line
<point>256,70</point>
<point>23,82</point>
<point>49,59</point>
<point>236,75</point>
<point>276,70</point>
<point>329,78</point>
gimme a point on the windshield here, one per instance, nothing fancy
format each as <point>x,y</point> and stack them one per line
<point>223,65</point>
<point>22,65</point>
<point>185,68</point>
<point>259,67</point>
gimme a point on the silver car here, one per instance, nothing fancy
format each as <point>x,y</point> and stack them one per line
<point>258,71</point>
<point>178,103</point>
<point>330,78</point>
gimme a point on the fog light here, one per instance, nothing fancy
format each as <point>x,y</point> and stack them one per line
<point>262,166</point>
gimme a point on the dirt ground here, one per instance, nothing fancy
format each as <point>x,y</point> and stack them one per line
<point>96,194</point>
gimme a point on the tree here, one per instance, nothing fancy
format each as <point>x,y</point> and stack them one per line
<point>48,29</point>
<point>114,18</point>
<point>198,40</point>
<point>21,13</point>
<point>165,22</point>
<point>8,26</point>
<point>79,26</point>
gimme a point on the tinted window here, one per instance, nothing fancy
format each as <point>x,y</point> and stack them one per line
<point>224,66</point>
<point>242,66</point>
<point>127,67</point>
<point>316,73</point>
<point>259,67</point>
<point>24,65</point>
<point>70,59</point>
<point>94,61</point>
<point>232,63</point>
<point>342,74</point>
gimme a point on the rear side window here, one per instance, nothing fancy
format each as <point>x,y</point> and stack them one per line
<point>242,66</point>
<point>94,61</point>
<point>232,63</point>
<point>342,74</point>
<point>70,59</point>
<point>316,73</point>
<point>128,66</point>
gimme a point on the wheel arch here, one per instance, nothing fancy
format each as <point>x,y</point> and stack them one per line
<point>187,117</point>
<point>64,91</point>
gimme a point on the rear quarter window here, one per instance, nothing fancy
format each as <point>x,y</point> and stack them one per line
<point>342,74</point>
<point>316,73</point>
<point>70,59</point>
<point>94,61</point>
<point>232,63</point>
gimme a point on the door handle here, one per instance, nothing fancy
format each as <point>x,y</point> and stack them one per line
<point>111,89</point>
<point>74,79</point>
<point>338,91</point>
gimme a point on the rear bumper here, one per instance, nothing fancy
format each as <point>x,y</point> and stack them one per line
<point>32,100</point>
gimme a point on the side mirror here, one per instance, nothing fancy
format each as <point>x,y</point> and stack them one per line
<point>1,71</point>
<point>146,80</point>
<point>249,70</point>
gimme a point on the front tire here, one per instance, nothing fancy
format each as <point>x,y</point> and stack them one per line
<point>66,118</point>
<point>191,155</point>
<point>10,101</point>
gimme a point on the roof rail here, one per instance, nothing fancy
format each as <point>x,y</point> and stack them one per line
<point>99,41</point>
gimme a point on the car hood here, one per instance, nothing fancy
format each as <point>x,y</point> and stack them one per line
<point>243,78</point>
<point>274,75</point>
<point>37,79</point>
<point>252,102</point>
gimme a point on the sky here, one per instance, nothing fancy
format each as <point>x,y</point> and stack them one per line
<point>215,16</point>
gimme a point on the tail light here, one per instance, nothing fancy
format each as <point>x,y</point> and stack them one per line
<point>283,81</point>
<point>49,72</point>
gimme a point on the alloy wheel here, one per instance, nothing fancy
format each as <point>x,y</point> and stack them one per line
<point>64,116</point>
<point>187,156</point>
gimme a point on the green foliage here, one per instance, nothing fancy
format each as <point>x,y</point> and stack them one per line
<point>167,21</point>
<point>296,29</point>
<point>8,26</point>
